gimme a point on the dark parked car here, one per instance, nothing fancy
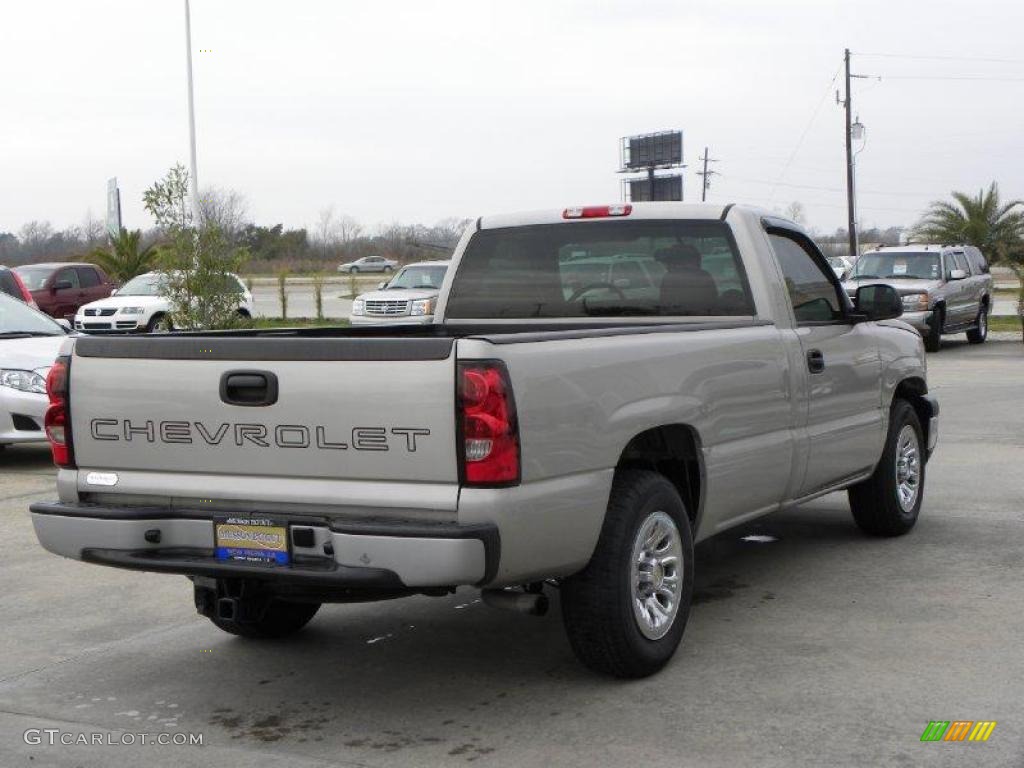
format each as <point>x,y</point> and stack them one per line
<point>60,289</point>
<point>12,285</point>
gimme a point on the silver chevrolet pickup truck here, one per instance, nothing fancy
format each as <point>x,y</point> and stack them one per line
<point>603,387</point>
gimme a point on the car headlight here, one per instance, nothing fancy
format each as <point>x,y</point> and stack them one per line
<point>358,307</point>
<point>132,310</point>
<point>423,306</point>
<point>915,302</point>
<point>23,381</point>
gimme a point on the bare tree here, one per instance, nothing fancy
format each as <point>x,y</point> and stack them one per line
<point>348,228</point>
<point>227,209</point>
<point>325,230</point>
<point>92,230</point>
<point>795,212</point>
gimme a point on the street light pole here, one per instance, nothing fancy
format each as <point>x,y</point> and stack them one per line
<point>851,205</point>
<point>193,177</point>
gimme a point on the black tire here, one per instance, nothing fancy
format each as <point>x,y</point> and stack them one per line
<point>275,618</point>
<point>159,323</point>
<point>933,339</point>
<point>353,270</point>
<point>598,602</point>
<point>388,269</point>
<point>979,333</point>
<point>875,502</point>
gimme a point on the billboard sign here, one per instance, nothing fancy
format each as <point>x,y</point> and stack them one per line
<point>660,188</point>
<point>652,150</point>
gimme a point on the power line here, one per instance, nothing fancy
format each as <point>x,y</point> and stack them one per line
<point>941,58</point>
<point>979,78</point>
<point>803,136</point>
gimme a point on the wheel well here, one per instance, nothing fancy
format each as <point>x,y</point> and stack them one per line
<point>985,300</point>
<point>243,312</point>
<point>913,390</point>
<point>671,450</point>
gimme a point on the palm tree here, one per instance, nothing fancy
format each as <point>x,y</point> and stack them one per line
<point>981,220</point>
<point>125,259</point>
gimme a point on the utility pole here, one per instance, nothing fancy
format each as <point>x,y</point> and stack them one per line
<point>706,175</point>
<point>193,177</point>
<point>851,205</point>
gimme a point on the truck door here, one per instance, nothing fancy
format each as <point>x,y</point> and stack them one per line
<point>844,428</point>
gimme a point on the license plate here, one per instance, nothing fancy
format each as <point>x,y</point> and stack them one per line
<point>251,540</point>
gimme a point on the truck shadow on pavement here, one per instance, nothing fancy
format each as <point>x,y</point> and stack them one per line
<point>445,675</point>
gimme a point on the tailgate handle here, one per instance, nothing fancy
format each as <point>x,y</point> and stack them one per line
<point>251,388</point>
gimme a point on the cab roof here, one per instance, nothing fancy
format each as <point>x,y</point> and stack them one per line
<point>660,210</point>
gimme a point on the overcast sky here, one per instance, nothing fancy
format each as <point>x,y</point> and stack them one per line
<point>414,111</point>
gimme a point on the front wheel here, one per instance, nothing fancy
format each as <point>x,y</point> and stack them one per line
<point>160,324</point>
<point>387,270</point>
<point>979,333</point>
<point>888,502</point>
<point>625,613</point>
<point>354,271</point>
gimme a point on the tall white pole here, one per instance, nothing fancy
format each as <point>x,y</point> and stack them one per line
<point>193,177</point>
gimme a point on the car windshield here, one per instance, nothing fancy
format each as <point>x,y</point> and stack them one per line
<point>19,319</point>
<point>34,277</point>
<point>418,277</point>
<point>901,265</point>
<point>143,285</point>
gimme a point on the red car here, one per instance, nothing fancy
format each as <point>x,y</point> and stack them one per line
<point>60,289</point>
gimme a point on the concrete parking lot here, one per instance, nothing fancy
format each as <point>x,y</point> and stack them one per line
<point>810,646</point>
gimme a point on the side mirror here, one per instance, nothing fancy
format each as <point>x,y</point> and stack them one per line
<point>878,302</point>
<point>382,285</point>
<point>61,285</point>
<point>64,324</point>
<point>113,292</point>
<point>957,274</point>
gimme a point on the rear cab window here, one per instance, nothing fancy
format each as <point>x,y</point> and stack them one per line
<point>645,268</point>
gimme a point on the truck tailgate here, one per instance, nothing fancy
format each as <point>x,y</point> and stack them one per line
<point>345,408</point>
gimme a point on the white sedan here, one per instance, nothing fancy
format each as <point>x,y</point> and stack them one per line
<point>29,343</point>
<point>139,305</point>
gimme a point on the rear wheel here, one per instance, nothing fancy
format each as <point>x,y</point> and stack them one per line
<point>979,333</point>
<point>888,502</point>
<point>625,613</point>
<point>933,338</point>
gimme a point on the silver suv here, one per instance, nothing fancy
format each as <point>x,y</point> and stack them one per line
<point>945,288</point>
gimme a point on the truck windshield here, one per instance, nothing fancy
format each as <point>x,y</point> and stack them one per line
<point>902,265</point>
<point>601,269</point>
<point>418,277</point>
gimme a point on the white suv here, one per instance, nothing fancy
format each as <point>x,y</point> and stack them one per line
<point>408,297</point>
<point>139,305</point>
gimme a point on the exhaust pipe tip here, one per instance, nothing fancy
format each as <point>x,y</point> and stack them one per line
<point>529,603</point>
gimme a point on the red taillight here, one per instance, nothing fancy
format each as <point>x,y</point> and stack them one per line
<point>26,295</point>
<point>56,421</point>
<point>488,433</point>
<point>596,211</point>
